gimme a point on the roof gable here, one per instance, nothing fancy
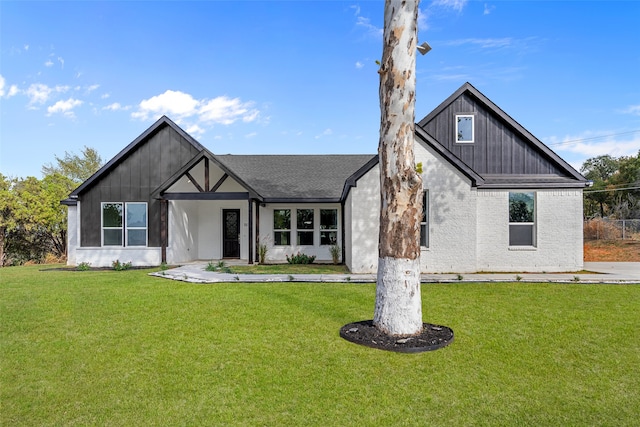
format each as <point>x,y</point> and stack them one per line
<point>123,155</point>
<point>503,151</point>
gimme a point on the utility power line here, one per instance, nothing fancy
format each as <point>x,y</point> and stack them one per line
<point>573,141</point>
<point>611,189</point>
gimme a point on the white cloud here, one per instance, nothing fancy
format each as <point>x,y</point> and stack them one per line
<point>61,61</point>
<point>488,9</point>
<point>251,135</point>
<point>359,64</point>
<point>326,132</point>
<point>49,63</point>
<point>38,93</point>
<point>194,114</point>
<point>92,88</point>
<point>225,110</point>
<point>2,83</point>
<point>195,130</point>
<point>371,29</point>
<point>592,144</point>
<point>64,107</point>
<point>26,47</point>
<point>105,95</point>
<point>496,43</point>
<point>174,103</point>
<point>116,106</point>
<point>633,109</point>
<point>13,90</point>
<point>456,5</point>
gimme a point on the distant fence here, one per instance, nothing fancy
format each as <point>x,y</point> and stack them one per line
<point>612,229</point>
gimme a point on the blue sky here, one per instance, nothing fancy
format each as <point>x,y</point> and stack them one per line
<point>299,77</point>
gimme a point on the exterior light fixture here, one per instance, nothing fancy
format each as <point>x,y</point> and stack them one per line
<point>424,48</point>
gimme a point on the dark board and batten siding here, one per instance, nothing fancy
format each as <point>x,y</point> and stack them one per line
<point>497,149</point>
<point>133,179</point>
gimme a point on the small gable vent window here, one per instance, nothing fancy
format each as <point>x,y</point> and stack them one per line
<point>521,219</point>
<point>464,128</point>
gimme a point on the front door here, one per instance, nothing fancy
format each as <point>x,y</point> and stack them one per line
<point>231,233</point>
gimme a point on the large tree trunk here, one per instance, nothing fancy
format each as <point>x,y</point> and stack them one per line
<point>3,231</point>
<point>398,309</point>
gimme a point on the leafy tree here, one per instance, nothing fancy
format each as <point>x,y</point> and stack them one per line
<point>76,167</point>
<point>614,191</point>
<point>599,170</point>
<point>7,218</point>
<point>33,223</point>
<point>398,308</point>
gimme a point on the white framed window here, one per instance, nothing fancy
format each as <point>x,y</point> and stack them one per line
<point>136,224</point>
<point>282,227</point>
<point>465,132</point>
<point>304,226</point>
<point>522,219</point>
<point>328,227</point>
<point>124,224</point>
<point>424,222</point>
<point>112,224</point>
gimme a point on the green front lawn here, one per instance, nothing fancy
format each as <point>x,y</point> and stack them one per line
<point>127,349</point>
<point>289,269</point>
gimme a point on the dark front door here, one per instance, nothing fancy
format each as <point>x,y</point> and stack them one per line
<point>231,233</point>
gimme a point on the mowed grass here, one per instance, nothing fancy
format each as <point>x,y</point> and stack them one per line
<point>125,349</point>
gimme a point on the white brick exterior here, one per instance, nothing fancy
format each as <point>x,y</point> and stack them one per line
<point>362,213</point>
<point>469,228</point>
<point>278,254</point>
<point>558,232</point>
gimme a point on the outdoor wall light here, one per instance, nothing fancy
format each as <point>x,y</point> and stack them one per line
<point>424,48</point>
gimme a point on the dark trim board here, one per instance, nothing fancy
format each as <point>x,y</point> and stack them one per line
<point>205,196</point>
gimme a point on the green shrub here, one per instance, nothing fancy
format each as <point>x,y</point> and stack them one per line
<point>300,258</point>
<point>219,267</point>
<point>262,252</point>
<point>83,266</point>
<point>335,252</point>
<point>120,266</point>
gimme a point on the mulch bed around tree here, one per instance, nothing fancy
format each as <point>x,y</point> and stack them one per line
<point>364,333</point>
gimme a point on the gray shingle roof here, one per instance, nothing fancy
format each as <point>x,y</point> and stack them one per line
<point>295,177</point>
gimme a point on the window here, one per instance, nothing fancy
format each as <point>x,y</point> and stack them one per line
<point>521,219</point>
<point>328,226</point>
<point>112,224</point>
<point>136,224</point>
<point>424,222</point>
<point>305,226</point>
<point>464,128</point>
<point>282,227</point>
<point>116,231</point>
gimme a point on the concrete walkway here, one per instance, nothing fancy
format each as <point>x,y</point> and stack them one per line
<point>603,272</point>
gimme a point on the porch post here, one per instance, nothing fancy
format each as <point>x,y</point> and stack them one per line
<point>342,232</point>
<point>257,230</point>
<point>164,208</point>
<point>250,239</point>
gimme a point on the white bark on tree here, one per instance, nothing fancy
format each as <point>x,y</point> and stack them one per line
<point>398,309</point>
